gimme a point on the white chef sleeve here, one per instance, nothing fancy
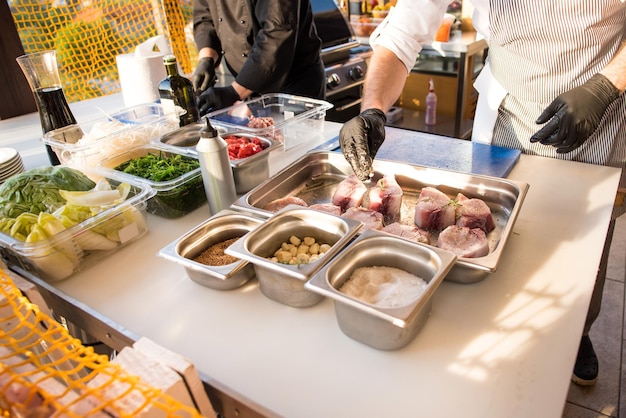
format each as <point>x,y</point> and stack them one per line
<point>409,25</point>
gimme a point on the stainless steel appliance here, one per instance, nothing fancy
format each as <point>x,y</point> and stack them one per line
<point>344,59</point>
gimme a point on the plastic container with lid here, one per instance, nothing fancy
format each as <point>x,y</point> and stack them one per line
<point>175,197</point>
<point>109,135</point>
<point>83,244</point>
<point>292,120</point>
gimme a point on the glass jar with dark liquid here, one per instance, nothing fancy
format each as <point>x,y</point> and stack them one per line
<point>42,74</point>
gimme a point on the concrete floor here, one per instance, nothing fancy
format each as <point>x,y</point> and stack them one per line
<point>607,398</point>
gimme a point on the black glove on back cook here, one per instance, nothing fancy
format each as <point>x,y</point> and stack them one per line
<point>217,98</point>
<point>204,76</point>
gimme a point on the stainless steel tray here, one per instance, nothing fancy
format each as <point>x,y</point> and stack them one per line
<point>224,225</point>
<point>314,178</point>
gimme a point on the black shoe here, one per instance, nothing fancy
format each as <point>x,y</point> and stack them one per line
<point>586,367</point>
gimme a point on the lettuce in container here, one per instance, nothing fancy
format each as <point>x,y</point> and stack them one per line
<point>56,219</point>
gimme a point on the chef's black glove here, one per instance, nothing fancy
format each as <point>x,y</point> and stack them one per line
<point>216,98</point>
<point>575,115</point>
<point>360,138</point>
<point>204,76</point>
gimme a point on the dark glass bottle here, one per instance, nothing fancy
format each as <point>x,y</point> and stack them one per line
<point>178,90</point>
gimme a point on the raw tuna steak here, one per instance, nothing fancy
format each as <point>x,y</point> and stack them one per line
<point>278,204</point>
<point>463,241</point>
<point>386,198</point>
<point>409,232</point>
<point>370,218</point>
<point>434,210</point>
<point>473,213</point>
<point>349,193</point>
<point>327,208</point>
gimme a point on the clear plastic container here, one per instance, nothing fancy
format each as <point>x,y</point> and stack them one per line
<point>130,127</point>
<point>365,25</point>
<point>71,250</point>
<point>294,119</point>
<point>174,198</point>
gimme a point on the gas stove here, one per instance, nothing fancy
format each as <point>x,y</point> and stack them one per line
<point>344,59</point>
<point>344,87</point>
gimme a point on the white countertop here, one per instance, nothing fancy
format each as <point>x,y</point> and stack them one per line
<point>502,347</point>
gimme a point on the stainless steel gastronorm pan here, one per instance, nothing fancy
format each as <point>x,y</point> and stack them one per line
<point>314,178</point>
<point>224,225</point>
<point>284,283</point>
<point>250,171</point>
<point>247,172</point>
<point>381,327</point>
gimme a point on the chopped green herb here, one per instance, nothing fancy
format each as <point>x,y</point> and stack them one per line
<point>159,167</point>
<point>173,198</point>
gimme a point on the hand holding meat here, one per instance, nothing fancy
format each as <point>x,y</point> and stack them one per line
<point>216,98</point>
<point>574,115</point>
<point>360,138</point>
<point>204,76</point>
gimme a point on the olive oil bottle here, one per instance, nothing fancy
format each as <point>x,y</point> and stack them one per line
<point>176,90</point>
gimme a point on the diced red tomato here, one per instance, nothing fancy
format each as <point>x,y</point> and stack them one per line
<point>242,147</point>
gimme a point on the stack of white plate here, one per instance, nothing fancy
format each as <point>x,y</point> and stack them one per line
<point>10,163</point>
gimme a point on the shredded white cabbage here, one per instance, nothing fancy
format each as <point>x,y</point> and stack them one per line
<point>108,138</point>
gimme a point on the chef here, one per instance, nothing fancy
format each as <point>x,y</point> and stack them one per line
<point>552,86</point>
<point>269,46</point>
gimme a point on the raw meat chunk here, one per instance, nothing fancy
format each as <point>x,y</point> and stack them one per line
<point>260,122</point>
<point>463,241</point>
<point>434,210</point>
<point>386,198</point>
<point>349,193</point>
<point>473,213</point>
<point>278,204</point>
<point>410,232</point>
<point>327,208</point>
<point>370,218</point>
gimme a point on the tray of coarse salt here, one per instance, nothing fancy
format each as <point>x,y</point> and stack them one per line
<point>469,215</point>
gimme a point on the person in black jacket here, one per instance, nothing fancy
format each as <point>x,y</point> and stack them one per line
<point>269,46</point>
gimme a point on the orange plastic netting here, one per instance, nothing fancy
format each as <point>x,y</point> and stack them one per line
<point>89,35</point>
<point>46,372</point>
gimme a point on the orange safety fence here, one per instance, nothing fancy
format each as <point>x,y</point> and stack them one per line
<point>89,35</point>
<point>46,372</point>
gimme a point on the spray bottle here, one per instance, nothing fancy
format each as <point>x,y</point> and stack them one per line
<point>431,104</point>
<point>217,175</point>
